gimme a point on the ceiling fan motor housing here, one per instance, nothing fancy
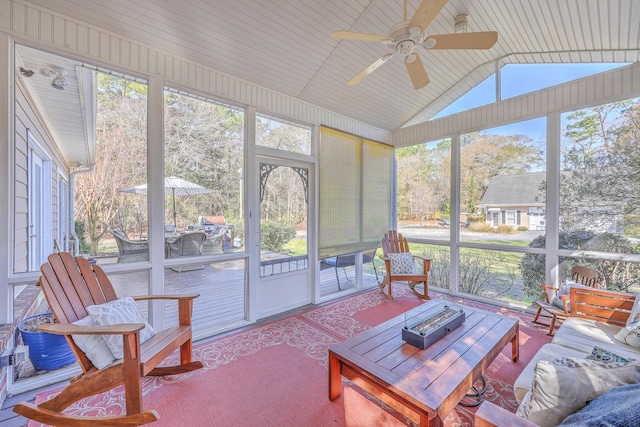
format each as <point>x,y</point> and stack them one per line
<point>403,38</point>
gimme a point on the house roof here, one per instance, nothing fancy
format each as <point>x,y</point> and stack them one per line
<point>285,45</point>
<point>515,190</point>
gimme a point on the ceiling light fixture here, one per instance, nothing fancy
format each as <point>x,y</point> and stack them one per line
<point>25,72</point>
<point>59,81</point>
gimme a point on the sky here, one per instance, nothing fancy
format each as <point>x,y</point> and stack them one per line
<point>518,79</point>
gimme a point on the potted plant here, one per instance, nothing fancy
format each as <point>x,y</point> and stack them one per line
<point>46,351</point>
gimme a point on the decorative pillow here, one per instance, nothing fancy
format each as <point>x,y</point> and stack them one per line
<point>617,407</point>
<point>630,335</point>
<point>402,263</point>
<point>123,310</point>
<point>599,353</point>
<point>93,346</point>
<point>564,289</point>
<point>634,316</point>
<point>563,386</point>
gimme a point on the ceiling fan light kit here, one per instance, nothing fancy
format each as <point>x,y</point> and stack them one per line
<point>406,35</point>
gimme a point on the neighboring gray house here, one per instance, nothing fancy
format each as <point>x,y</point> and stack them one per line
<point>517,200</point>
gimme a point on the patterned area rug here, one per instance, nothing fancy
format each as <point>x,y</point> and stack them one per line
<point>275,374</point>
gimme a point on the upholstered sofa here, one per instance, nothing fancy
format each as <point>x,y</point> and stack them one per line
<point>597,316</point>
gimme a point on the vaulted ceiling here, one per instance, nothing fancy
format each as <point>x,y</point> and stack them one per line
<point>285,45</point>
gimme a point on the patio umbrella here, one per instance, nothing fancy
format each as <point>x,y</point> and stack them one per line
<point>173,186</point>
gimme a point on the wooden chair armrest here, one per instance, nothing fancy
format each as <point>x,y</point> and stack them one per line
<point>185,305</point>
<point>490,415</point>
<point>70,328</point>
<point>162,297</point>
<point>546,289</point>
<point>426,263</point>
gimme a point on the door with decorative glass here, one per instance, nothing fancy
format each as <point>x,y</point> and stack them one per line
<point>285,279</point>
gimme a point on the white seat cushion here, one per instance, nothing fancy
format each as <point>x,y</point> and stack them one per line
<point>583,334</point>
<point>522,384</point>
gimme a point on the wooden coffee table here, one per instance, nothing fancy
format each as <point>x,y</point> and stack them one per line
<point>424,385</point>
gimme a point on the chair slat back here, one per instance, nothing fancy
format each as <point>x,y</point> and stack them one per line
<point>585,276</point>
<point>393,243</point>
<point>70,285</point>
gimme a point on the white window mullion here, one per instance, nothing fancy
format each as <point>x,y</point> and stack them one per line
<point>552,227</point>
<point>454,254</point>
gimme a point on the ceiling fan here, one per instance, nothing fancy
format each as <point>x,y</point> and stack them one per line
<point>406,36</point>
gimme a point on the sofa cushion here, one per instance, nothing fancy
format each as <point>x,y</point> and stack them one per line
<point>522,384</point>
<point>630,335</point>
<point>583,334</point>
<point>564,386</point>
<point>617,407</point>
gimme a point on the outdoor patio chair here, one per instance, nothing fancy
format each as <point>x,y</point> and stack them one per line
<point>215,243</point>
<point>556,305</point>
<point>187,244</point>
<point>400,265</point>
<point>129,249</point>
<point>348,260</point>
<point>71,286</point>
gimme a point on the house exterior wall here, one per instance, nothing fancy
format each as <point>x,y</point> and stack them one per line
<point>521,214</point>
<point>26,120</point>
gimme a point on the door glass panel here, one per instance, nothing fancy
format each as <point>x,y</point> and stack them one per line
<point>283,219</point>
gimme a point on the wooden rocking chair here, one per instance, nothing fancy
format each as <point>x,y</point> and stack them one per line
<point>583,276</point>
<point>70,285</point>
<point>394,243</point>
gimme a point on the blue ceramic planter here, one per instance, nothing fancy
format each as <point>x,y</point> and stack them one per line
<point>46,351</point>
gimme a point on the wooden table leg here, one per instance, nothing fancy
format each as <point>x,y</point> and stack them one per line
<point>426,421</point>
<point>335,378</point>
<point>515,345</point>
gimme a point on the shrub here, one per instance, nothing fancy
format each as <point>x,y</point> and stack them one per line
<point>505,229</point>
<point>476,217</point>
<point>274,235</point>
<point>238,230</point>
<point>614,277</point>
<point>522,228</point>
<point>480,227</point>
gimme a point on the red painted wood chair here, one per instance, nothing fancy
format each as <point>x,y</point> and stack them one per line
<point>583,276</point>
<point>395,243</point>
<point>72,284</point>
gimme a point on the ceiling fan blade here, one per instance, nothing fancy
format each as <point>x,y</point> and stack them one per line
<point>416,71</point>
<point>352,35</point>
<point>370,69</point>
<point>426,13</point>
<point>481,40</point>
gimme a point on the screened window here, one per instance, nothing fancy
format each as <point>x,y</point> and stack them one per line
<point>281,135</point>
<point>204,162</point>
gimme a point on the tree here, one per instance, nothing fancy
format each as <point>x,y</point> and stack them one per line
<point>616,275</point>
<point>600,181</point>
<point>120,153</point>
<point>484,156</point>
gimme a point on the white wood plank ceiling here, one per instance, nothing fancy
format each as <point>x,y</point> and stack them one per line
<point>284,45</point>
